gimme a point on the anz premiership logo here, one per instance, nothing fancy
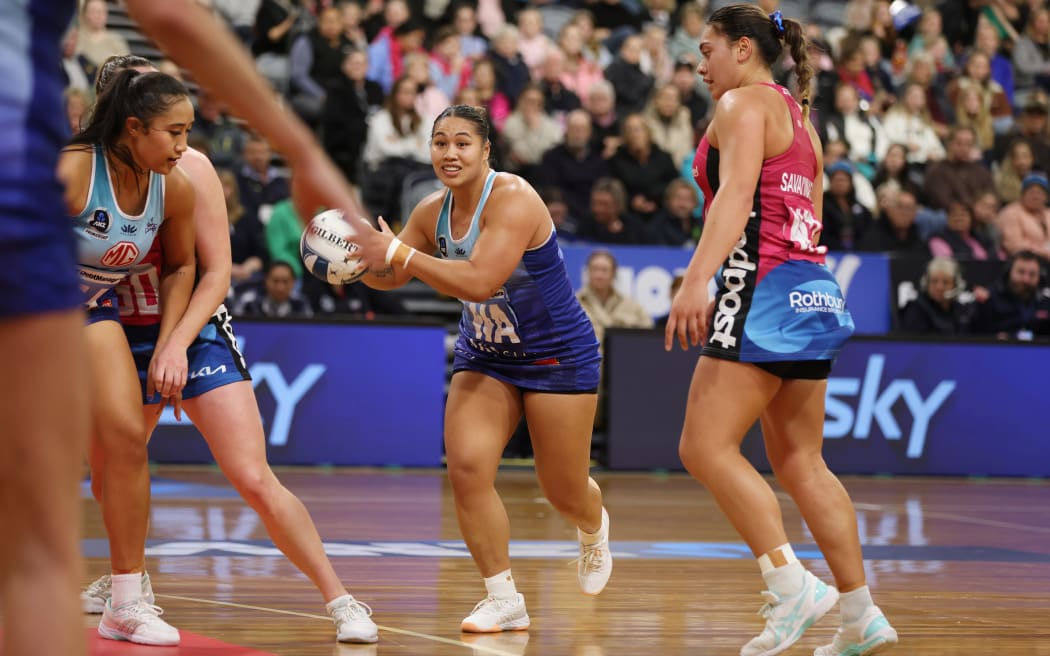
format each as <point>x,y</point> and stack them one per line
<point>99,223</point>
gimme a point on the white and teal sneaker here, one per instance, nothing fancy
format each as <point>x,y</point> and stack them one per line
<point>868,635</point>
<point>788,618</point>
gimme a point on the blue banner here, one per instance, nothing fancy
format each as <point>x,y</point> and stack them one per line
<point>339,394</point>
<point>896,407</point>
<point>645,273</point>
<point>936,408</point>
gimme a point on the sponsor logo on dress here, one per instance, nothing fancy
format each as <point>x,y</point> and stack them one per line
<point>207,370</point>
<point>121,254</point>
<point>100,220</point>
<point>809,301</point>
<point>98,224</point>
<point>129,229</point>
<point>734,275</point>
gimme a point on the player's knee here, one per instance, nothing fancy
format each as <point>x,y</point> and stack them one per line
<point>124,442</point>
<point>694,457</point>
<point>794,468</point>
<point>467,477</point>
<point>568,501</point>
<point>256,487</point>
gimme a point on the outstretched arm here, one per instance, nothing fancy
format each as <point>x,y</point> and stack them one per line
<point>511,221</point>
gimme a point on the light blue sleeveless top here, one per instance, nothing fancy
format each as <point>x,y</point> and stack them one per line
<point>533,317</point>
<point>110,242</point>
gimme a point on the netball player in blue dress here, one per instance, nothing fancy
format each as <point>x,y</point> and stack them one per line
<point>525,346</point>
<point>771,333</point>
<point>41,320</point>
<point>221,404</point>
<point>41,344</point>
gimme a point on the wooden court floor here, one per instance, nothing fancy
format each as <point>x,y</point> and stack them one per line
<point>959,566</point>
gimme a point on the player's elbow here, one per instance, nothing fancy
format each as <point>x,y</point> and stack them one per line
<point>477,289</point>
<point>186,267</point>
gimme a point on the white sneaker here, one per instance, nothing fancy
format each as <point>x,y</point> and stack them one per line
<point>137,622</point>
<point>93,599</point>
<point>868,635</point>
<point>594,566</point>
<point>788,618</point>
<point>353,622</point>
<point>492,615</point>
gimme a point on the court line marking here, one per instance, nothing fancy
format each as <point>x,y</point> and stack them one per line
<point>955,517</point>
<point>413,634</point>
<point>958,517</point>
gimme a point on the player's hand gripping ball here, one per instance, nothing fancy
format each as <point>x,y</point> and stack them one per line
<point>327,253</point>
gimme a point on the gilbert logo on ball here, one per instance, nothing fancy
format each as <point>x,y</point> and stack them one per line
<point>326,251</point>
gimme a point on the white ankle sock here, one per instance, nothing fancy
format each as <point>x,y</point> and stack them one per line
<point>126,588</point>
<point>501,585</point>
<point>782,571</point>
<point>852,604</point>
<point>595,538</point>
<point>338,601</point>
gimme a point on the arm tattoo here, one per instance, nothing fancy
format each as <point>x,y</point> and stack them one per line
<point>383,273</point>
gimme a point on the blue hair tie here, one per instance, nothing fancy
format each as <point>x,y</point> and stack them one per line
<point>778,20</point>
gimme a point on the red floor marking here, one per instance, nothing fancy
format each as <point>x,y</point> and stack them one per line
<point>192,645</point>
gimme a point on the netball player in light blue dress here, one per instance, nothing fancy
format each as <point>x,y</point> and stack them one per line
<point>123,190</point>
<point>219,402</point>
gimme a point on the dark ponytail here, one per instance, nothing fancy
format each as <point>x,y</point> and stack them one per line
<point>129,93</point>
<point>770,33</point>
<point>798,47</point>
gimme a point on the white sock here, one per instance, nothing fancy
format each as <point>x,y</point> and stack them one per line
<point>501,585</point>
<point>126,588</point>
<point>782,572</point>
<point>338,601</point>
<point>595,538</point>
<point>852,604</point>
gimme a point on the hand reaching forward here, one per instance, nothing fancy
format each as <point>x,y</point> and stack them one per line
<point>373,243</point>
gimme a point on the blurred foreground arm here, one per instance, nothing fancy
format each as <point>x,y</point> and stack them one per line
<point>194,38</point>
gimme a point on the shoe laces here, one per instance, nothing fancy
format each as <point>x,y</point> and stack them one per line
<point>141,610</point>
<point>352,610</point>
<point>493,604</point>
<point>592,557</point>
<point>772,601</point>
<point>100,586</point>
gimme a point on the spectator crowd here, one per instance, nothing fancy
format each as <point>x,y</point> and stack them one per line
<point>933,117</point>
